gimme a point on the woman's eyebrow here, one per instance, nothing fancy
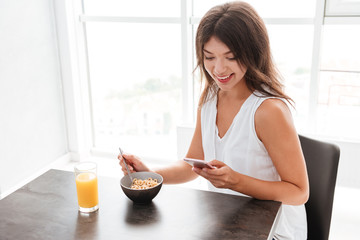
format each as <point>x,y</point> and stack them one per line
<point>228,52</point>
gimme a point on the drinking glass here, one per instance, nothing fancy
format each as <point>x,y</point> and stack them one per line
<point>87,186</point>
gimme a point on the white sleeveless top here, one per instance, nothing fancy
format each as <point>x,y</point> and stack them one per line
<point>241,149</point>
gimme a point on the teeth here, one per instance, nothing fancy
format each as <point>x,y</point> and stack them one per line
<point>222,78</point>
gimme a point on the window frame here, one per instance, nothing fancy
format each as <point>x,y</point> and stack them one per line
<point>342,8</point>
<point>78,85</point>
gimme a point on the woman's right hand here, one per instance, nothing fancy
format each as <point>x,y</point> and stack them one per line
<point>134,163</point>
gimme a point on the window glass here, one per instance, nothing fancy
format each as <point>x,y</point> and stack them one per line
<point>342,7</point>
<point>339,86</point>
<point>338,113</point>
<point>291,47</point>
<point>265,8</point>
<point>341,48</point>
<point>133,8</point>
<point>135,76</point>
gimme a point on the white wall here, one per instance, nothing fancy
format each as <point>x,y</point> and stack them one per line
<point>32,122</point>
<point>349,164</point>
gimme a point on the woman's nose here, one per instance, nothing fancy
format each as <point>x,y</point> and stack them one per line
<point>220,67</point>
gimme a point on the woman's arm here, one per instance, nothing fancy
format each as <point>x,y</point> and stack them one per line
<point>275,128</point>
<point>178,172</point>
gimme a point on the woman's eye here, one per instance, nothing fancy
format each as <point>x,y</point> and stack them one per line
<point>209,58</point>
<point>231,59</point>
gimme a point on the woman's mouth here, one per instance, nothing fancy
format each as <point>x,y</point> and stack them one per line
<point>224,79</point>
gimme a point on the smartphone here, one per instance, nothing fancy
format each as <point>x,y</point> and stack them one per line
<point>198,163</point>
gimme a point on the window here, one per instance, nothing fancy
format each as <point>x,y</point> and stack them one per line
<point>133,8</point>
<point>135,74</point>
<point>292,50</point>
<point>141,90</point>
<point>343,8</point>
<point>339,86</point>
<point>266,9</point>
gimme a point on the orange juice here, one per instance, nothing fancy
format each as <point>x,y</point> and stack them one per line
<point>87,190</point>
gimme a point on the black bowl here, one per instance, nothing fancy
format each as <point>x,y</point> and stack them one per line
<point>141,196</point>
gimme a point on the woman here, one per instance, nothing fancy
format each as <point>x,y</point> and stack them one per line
<point>244,126</point>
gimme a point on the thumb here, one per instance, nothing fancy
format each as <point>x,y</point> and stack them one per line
<point>132,160</point>
<point>217,163</point>
<point>129,158</point>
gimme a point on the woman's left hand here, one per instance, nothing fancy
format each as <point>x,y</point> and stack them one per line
<point>222,176</point>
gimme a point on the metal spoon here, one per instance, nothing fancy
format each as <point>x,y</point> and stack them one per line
<point>127,168</point>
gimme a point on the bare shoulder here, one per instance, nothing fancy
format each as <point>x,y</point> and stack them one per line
<point>273,117</point>
<point>272,107</point>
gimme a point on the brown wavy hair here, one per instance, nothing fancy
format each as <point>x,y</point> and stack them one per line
<point>242,30</point>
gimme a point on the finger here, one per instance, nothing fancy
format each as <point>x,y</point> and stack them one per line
<point>213,172</point>
<point>122,158</point>
<point>122,167</point>
<point>124,170</point>
<point>196,170</point>
<point>203,172</point>
<point>129,157</point>
<point>217,163</point>
<point>133,161</point>
<point>215,180</point>
<point>212,175</point>
<point>121,163</point>
<point>130,165</point>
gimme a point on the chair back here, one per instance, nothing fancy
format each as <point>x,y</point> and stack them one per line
<point>322,161</point>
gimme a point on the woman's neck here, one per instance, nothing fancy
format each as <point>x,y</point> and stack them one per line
<point>239,93</point>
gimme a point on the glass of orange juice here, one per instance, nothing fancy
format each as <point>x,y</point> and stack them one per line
<point>87,186</point>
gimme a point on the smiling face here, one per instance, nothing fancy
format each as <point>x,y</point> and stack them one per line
<point>221,64</point>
